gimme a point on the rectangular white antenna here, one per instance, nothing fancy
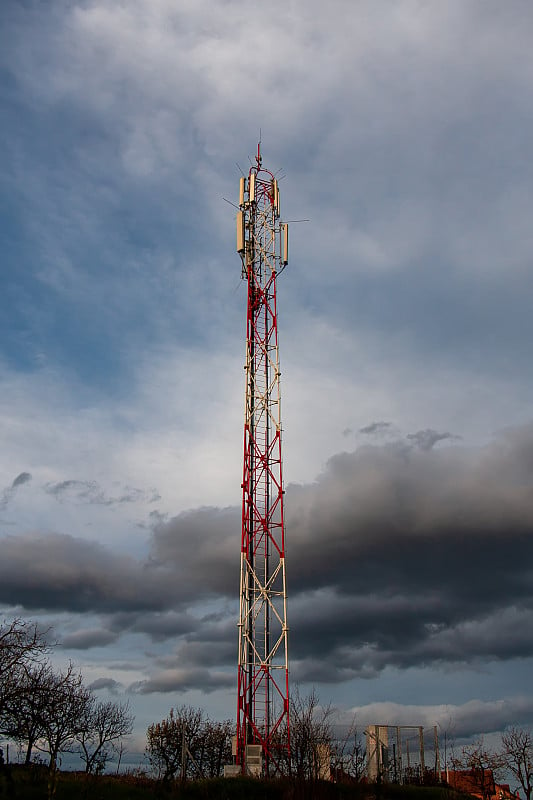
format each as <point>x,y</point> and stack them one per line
<point>240,231</point>
<point>285,243</point>
<point>275,191</point>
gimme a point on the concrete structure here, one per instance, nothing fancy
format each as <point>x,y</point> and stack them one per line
<point>402,754</point>
<point>377,753</point>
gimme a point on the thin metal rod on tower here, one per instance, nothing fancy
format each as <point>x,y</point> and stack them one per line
<point>263,667</point>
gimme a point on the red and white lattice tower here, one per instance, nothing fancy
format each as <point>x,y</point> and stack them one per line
<point>263,674</point>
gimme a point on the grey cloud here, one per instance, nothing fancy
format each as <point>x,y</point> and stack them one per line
<point>159,626</point>
<point>477,717</point>
<point>8,493</point>
<point>211,653</point>
<point>193,558</point>
<point>105,683</point>
<point>199,660</point>
<point>363,637</point>
<point>85,639</point>
<point>83,489</point>
<point>202,546</point>
<point>211,643</point>
<point>126,666</point>
<point>427,438</point>
<point>451,212</point>
<point>182,680</point>
<point>157,518</point>
<point>375,427</point>
<point>205,646</point>
<point>396,556</point>
<point>414,557</point>
<point>394,507</point>
<point>24,477</point>
<point>92,493</point>
<point>61,572</point>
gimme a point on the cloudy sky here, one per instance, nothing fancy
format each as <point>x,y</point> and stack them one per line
<point>403,131</point>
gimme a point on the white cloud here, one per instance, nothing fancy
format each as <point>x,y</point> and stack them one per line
<point>470,719</point>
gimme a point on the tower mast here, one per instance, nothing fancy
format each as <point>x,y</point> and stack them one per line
<point>263,670</point>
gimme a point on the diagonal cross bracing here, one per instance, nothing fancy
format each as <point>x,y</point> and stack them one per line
<point>263,699</point>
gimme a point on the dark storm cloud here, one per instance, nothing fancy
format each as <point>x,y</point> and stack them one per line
<point>193,560</point>
<point>60,572</point>
<point>414,556</point>
<point>396,556</point>
<point>201,546</point>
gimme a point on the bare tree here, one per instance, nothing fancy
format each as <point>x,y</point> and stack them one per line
<point>53,711</point>
<point>63,717</point>
<point>102,727</point>
<point>311,736</point>
<point>217,747</point>
<point>517,756</point>
<point>189,744</point>
<point>175,741</point>
<point>22,645</point>
<point>482,764</point>
<point>349,755</point>
<point>25,709</point>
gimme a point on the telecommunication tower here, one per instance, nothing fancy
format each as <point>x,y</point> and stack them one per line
<point>263,670</point>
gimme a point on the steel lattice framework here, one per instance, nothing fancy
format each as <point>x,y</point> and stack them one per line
<point>263,675</point>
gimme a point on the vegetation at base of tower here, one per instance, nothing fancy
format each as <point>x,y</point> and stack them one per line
<point>315,744</point>
<point>189,745</point>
